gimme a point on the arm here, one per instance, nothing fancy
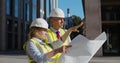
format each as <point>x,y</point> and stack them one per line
<point>35,53</point>
<point>72,29</point>
<point>62,49</point>
<point>41,57</point>
<point>58,43</point>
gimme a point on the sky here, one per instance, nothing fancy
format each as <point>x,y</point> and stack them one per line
<point>75,7</point>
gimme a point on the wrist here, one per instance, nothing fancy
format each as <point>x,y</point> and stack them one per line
<point>55,51</point>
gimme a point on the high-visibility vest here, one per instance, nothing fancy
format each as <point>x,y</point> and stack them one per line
<point>52,37</point>
<point>45,49</point>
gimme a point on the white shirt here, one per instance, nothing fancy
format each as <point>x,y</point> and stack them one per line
<point>69,39</point>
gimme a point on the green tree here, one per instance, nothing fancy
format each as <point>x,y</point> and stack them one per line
<point>77,20</point>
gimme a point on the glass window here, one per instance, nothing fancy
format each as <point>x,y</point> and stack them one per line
<point>25,10</point>
<point>8,7</point>
<point>28,7</point>
<point>118,16</point>
<point>16,8</point>
<point>9,25</point>
<point>110,12</point>
<point>34,9</point>
<point>16,41</point>
<point>16,26</point>
<point>9,43</point>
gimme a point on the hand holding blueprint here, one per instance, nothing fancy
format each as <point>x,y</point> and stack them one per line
<point>83,49</point>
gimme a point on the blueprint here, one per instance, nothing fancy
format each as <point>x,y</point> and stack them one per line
<point>83,49</point>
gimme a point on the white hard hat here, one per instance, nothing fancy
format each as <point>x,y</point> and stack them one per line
<point>39,22</point>
<point>57,12</point>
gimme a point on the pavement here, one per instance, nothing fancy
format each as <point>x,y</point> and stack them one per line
<point>103,59</point>
<point>23,59</point>
<point>13,59</point>
<point>20,57</point>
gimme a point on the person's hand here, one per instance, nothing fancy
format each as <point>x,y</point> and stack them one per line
<point>75,28</point>
<point>64,49</point>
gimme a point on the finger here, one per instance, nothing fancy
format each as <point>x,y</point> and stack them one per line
<point>76,30</point>
<point>68,46</point>
<point>64,49</point>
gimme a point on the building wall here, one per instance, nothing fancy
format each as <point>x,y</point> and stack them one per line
<point>93,20</point>
<point>111,25</point>
<point>104,15</point>
<point>2,25</point>
<point>15,18</point>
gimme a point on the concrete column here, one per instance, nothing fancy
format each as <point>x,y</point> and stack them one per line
<point>41,8</point>
<point>13,23</point>
<point>3,43</point>
<point>56,3</point>
<point>93,20</point>
<point>19,23</point>
<point>53,4</point>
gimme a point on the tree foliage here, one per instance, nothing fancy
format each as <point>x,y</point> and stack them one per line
<point>77,20</point>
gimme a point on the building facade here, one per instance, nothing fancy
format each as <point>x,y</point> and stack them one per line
<point>105,16</point>
<point>15,18</point>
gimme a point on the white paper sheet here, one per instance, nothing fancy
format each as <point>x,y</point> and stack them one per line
<point>83,49</point>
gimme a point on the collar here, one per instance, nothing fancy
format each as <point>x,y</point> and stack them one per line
<point>54,29</point>
<point>38,40</point>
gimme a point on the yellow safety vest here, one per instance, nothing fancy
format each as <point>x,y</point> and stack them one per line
<point>45,49</point>
<point>52,38</point>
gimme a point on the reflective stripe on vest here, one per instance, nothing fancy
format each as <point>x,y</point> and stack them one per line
<point>53,37</point>
<point>45,49</point>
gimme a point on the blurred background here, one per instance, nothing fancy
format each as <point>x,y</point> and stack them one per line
<point>97,15</point>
